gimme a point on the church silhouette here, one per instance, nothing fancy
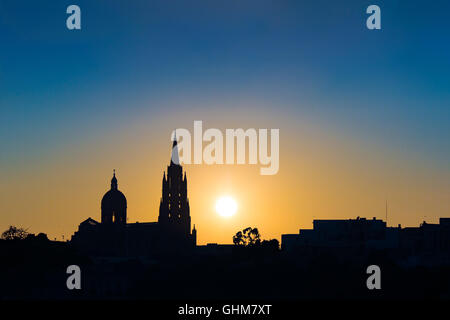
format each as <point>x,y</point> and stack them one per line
<point>113,236</point>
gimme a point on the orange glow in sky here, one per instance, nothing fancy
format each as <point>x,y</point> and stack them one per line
<point>324,174</point>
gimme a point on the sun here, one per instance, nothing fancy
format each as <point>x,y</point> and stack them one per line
<point>226,206</point>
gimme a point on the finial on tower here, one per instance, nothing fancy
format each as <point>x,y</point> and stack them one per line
<point>114,180</point>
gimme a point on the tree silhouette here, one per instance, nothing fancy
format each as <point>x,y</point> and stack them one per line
<point>238,239</point>
<point>247,237</point>
<point>273,244</point>
<point>14,233</point>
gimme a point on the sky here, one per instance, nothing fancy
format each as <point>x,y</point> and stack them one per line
<point>363,114</point>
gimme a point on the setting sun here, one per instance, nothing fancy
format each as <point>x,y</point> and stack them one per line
<point>226,206</point>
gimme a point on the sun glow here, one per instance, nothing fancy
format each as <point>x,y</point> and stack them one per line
<point>226,206</point>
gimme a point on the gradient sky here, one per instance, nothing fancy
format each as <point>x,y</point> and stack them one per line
<point>363,115</point>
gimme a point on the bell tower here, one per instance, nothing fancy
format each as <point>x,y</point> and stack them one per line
<point>174,212</point>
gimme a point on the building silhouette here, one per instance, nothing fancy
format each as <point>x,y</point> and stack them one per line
<point>174,212</point>
<point>113,236</point>
<point>114,205</point>
<point>428,244</point>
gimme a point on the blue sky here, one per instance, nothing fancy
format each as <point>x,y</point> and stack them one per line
<point>308,57</point>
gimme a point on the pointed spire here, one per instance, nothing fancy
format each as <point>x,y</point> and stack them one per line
<point>174,158</point>
<point>174,144</point>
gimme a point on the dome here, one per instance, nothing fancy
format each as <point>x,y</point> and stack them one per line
<point>114,199</point>
<point>114,204</point>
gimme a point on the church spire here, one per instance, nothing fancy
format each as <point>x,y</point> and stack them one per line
<point>174,160</point>
<point>174,144</point>
<point>174,212</point>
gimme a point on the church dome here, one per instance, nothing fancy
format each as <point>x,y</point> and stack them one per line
<point>114,204</point>
<point>114,199</point>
